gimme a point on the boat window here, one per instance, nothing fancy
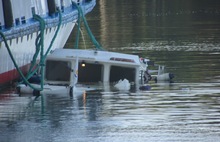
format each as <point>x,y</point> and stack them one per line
<point>58,71</point>
<point>89,72</point>
<point>118,72</point>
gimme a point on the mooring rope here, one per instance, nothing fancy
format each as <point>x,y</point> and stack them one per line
<point>39,43</point>
<point>15,64</point>
<point>93,39</point>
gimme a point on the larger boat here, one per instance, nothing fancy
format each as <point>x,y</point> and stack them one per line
<point>25,23</point>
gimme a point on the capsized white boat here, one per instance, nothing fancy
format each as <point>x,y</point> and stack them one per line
<point>67,68</point>
<point>64,69</point>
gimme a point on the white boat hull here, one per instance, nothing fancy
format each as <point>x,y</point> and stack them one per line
<point>23,50</point>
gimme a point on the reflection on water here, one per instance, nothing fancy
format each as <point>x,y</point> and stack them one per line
<point>153,24</point>
<point>182,35</point>
<point>167,112</point>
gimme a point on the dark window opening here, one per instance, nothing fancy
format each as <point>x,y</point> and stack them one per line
<point>87,1</point>
<point>117,73</point>
<point>90,73</point>
<point>23,20</point>
<point>17,21</point>
<point>58,71</point>
<point>33,10</point>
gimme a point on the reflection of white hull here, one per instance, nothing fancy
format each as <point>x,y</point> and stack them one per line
<point>13,108</point>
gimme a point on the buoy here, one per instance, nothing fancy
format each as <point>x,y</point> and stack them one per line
<point>164,77</point>
<point>23,89</point>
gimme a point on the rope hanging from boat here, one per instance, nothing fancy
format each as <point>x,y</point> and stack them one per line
<point>81,15</point>
<point>15,64</point>
<point>39,43</point>
<point>78,29</point>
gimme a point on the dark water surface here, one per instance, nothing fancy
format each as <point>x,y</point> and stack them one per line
<point>182,35</point>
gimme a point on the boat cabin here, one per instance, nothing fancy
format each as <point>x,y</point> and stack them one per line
<point>93,66</point>
<point>59,71</point>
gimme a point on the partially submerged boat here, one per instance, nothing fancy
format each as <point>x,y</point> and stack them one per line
<point>67,67</point>
<point>69,70</point>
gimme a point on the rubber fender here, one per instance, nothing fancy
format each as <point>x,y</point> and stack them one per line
<point>8,15</point>
<point>23,89</point>
<point>163,77</point>
<point>51,7</point>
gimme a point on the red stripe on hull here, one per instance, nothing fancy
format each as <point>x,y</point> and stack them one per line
<point>12,75</point>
